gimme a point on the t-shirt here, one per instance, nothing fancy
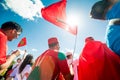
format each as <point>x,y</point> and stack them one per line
<point>3,47</point>
<point>113,31</point>
<point>114,12</point>
<point>27,69</point>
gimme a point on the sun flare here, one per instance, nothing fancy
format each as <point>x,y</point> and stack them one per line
<point>72,20</point>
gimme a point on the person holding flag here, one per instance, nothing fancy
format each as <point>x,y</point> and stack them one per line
<point>9,30</point>
<point>72,63</point>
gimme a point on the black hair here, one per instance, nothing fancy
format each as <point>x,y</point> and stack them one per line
<point>27,60</point>
<point>18,59</point>
<point>11,25</point>
<point>69,56</point>
<point>52,45</point>
<point>99,9</point>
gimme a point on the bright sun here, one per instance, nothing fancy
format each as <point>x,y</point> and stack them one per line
<point>73,19</point>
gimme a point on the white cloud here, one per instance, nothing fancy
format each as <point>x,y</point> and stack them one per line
<point>34,50</point>
<point>5,7</point>
<point>28,9</point>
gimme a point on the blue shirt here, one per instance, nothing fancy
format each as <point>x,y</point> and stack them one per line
<point>114,12</point>
<point>113,31</point>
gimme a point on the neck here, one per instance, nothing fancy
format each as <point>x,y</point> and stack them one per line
<point>56,50</point>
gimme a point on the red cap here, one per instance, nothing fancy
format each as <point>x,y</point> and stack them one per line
<point>52,40</point>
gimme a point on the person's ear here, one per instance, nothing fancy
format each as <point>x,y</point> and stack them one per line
<point>13,31</point>
<point>9,31</point>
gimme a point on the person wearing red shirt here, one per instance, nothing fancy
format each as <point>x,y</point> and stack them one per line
<point>8,31</point>
<point>53,63</point>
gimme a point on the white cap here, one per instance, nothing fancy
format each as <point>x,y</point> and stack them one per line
<point>68,53</point>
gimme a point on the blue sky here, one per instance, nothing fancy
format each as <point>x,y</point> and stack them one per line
<point>37,30</point>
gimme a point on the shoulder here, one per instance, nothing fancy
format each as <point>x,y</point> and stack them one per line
<point>28,68</point>
<point>2,35</point>
<point>61,56</point>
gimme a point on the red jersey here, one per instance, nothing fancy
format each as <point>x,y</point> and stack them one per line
<point>3,47</point>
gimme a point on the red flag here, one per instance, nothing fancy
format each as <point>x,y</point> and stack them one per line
<point>23,42</point>
<point>56,14</point>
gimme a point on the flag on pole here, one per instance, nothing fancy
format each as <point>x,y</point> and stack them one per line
<point>56,14</point>
<point>23,42</point>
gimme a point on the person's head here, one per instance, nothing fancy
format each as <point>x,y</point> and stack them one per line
<point>11,29</point>
<point>99,9</point>
<point>69,57</point>
<point>89,39</point>
<point>27,61</point>
<point>112,1</point>
<point>18,60</point>
<point>53,43</point>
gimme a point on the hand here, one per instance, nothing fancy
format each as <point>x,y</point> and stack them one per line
<point>17,53</point>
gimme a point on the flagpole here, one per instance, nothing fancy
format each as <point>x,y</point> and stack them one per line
<point>75,42</point>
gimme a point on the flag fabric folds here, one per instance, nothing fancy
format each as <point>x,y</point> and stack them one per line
<point>56,14</point>
<point>23,42</point>
<point>98,62</point>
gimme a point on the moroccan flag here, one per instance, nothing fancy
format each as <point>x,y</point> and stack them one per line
<point>56,14</point>
<point>23,42</point>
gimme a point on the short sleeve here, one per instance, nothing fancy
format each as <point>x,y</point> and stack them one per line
<point>3,46</point>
